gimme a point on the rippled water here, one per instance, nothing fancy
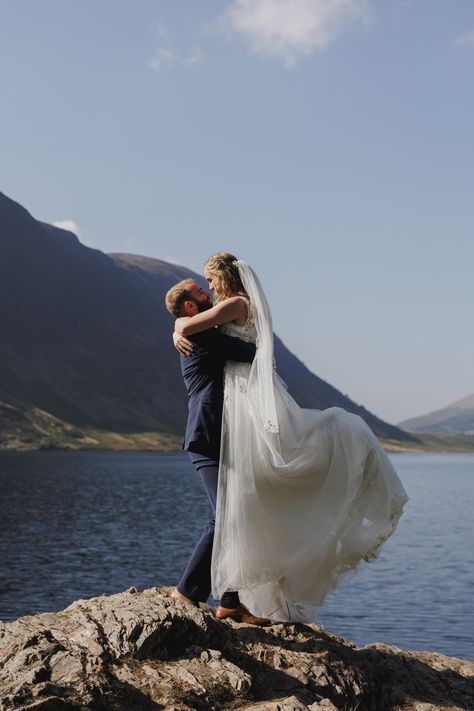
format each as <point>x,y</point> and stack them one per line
<point>74,525</point>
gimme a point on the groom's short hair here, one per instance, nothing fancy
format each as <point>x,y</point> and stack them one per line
<point>177,295</point>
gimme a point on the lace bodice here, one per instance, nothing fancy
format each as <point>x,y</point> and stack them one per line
<point>247,332</point>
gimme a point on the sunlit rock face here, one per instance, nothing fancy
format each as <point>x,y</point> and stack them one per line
<point>144,650</point>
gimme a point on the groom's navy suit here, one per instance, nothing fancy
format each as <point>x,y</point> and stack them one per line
<point>203,373</point>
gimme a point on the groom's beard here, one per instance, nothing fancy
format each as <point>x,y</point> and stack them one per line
<point>203,305</point>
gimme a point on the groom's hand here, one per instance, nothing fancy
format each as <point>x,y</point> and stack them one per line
<point>182,344</point>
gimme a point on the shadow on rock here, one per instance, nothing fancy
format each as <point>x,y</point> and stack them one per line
<point>146,651</point>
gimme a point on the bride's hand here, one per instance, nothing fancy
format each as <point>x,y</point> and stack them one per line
<point>182,344</point>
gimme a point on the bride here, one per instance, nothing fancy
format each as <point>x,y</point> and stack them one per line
<point>303,495</point>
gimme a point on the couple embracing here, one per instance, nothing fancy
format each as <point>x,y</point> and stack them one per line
<point>299,496</point>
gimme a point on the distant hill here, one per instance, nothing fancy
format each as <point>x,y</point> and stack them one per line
<point>457,418</point>
<point>86,356</point>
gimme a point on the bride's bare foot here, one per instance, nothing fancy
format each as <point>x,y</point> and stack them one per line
<point>179,596</point>
<point>241,614</point>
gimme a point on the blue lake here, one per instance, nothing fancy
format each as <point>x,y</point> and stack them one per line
<point>75,525</point>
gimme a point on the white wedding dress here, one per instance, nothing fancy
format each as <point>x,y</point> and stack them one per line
<point>303,495</point>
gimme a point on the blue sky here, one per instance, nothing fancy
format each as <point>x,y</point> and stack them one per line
<point>328,142</point>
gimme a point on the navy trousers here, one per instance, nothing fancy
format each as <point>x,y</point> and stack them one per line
<point>195,581</point>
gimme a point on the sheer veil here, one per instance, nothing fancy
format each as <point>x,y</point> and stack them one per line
<point>261,373</point>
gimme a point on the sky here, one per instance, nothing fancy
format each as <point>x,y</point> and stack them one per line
<point>327,142</point>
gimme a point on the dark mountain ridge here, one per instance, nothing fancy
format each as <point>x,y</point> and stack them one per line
<point>85,337</point>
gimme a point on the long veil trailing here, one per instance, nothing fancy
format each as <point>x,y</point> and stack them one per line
<point>303,495</point>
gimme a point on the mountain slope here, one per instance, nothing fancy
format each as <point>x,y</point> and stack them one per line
<point>457,418</point>
<point>85,339</point>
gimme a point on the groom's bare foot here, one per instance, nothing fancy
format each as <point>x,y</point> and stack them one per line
<point>241,614</point>
<point>179,596</point>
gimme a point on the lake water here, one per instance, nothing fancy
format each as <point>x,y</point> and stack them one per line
<point>74,525</point>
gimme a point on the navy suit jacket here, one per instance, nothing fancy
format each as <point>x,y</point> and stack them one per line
<point>203,373</point>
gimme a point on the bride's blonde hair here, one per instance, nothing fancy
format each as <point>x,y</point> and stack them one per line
<point>225,273</point>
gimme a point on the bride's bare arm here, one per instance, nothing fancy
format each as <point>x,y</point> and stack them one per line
<point>232,309</point>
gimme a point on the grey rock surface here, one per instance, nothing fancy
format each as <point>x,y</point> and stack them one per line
<point>144,650</point>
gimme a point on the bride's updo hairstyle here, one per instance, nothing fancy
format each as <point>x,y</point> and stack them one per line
<point>226,277</point>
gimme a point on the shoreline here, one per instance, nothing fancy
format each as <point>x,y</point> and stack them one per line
<point>431,442</point>
<point>159,443</point>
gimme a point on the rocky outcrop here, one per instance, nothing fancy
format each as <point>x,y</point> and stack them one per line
<point>143,650</point>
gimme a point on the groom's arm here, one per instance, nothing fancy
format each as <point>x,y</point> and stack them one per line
<point>217,345</point>
<point>232,348</point>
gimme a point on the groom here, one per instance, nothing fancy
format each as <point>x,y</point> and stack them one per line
<point>203,373</point>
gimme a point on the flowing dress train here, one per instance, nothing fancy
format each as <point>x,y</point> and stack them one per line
<point>303,495</point>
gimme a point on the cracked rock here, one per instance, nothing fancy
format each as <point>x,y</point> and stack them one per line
<point>137,651</point>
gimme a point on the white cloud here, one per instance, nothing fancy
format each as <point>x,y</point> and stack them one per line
<point>168,54</point>
<point>74,227</point>
<point>196,55</point>
<point>465,39</point>
<point>293,29</point>
<point>163,58</point>
<point>68,225</point>
<point>163,30</point>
